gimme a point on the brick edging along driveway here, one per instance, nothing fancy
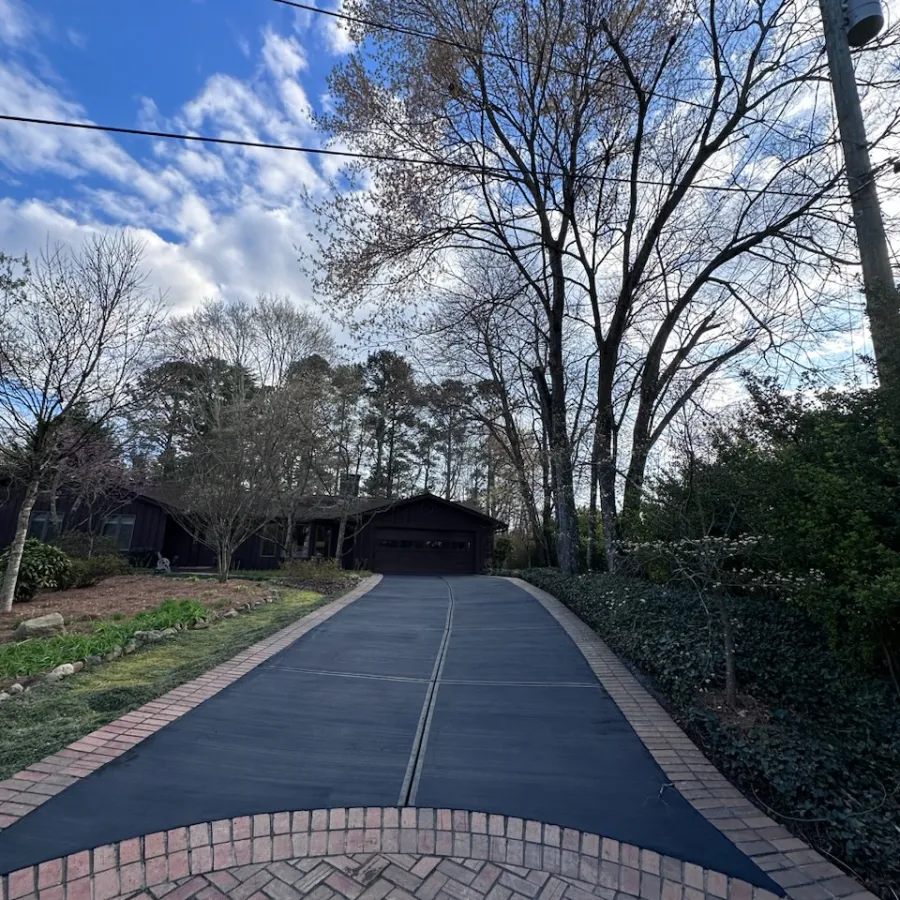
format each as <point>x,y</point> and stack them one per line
<point>23,792</point>
<point>597,866</point>
<point>804,873</point>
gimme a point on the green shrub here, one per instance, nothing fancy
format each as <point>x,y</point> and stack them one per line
<point>34,656</point>
<point>816,475</point>
<point>88,572</point>
<point>43,567</point>
<point>81,545</point>
<point>141,557</point>
<point>313,572</point>
<point>824,756</point>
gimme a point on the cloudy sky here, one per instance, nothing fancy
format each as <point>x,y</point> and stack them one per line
<point>217,222</point>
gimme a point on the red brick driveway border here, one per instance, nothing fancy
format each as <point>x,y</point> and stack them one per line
<point>209,860</point>
<point>804,873</point>
<point>26,790</point>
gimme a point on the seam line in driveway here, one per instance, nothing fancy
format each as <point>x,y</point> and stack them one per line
<point>414,767</point>
<point>530,684</point>
<point>370,676</point>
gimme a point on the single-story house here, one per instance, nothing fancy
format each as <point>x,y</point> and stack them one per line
<point>423,533</point>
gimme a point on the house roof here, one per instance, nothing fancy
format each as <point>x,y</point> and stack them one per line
<point>332,508</point>
<point>328,507</point>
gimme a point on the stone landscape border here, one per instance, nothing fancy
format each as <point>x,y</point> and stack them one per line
<point>23,792</point>
<point>599,866</point>
<point>24,683</point>
<point>803,872</point>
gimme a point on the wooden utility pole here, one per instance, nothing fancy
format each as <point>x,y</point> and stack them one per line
<point>882,296</point>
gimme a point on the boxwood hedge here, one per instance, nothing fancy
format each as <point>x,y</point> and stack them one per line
<point>820,751</point>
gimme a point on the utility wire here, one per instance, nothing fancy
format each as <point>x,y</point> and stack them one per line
<point>375,157</point>
<point>492,54</point>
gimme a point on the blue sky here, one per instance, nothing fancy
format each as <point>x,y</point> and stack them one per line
<point>216,222</point>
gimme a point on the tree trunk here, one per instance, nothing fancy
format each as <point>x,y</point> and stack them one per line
<point>606,485</point>
<point>560,451</point>
<point>11,575</point>
<point>289,537</point>
<point>224,562</point>
<point>449,467</point>
<point>637,467</point>
<point>893,664</point>
<point>342,530</point>
<point>389,472</point>
<point>54,507</point>
<point>546,535</point>
<point>379,456</point>
<point>489,484</point>
<point>728,646</point>
<point>592,510</point>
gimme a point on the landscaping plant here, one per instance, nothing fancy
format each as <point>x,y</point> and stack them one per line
<point>43,567</point>
<point>815,474</point>
<point>34,656</point>
<point>91,571</point>
<point>818,744</point>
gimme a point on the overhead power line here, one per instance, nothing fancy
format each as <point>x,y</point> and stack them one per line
<point>459,45</point>
<point>236,142</point>
<point>375,157</point>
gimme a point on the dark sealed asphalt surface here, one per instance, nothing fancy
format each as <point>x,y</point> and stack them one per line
<point>404,697</point>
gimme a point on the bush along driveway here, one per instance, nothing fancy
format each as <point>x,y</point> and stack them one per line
<point>814,744</point>
<point>49,716</point>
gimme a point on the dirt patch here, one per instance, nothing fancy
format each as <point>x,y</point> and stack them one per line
<point>749,711</point>
<point>128,595</point>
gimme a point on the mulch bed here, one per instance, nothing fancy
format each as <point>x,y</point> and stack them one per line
<point>129,594</point>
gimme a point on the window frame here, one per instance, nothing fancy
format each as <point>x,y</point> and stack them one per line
<point>264,539</point>
<point>116,520</point>
<point>48,533</point>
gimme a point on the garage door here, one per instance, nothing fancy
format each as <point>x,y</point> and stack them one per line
<point>415,550</point>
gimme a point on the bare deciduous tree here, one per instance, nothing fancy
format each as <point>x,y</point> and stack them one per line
<point>266,337</point>
<point>661,177</point>
<point>71,344</point>
<point>225,490</point>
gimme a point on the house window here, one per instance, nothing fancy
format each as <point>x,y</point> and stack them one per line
<point>301,542</point>
<point>41,526</point>
<point>268,540</point>
<point>119,527</point>
<point>323,541</point>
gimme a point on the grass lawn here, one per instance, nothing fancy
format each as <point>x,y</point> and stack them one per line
<point>50,716</point>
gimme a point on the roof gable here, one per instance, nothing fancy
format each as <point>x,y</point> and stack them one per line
<point>464,508</point>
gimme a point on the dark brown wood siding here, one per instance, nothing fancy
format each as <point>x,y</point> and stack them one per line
<point>422,516</point>
<point>149,518</point>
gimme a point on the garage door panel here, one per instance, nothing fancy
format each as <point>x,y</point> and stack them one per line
<point>418,550</point>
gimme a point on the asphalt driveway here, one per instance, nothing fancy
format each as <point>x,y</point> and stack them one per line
<point>460,693</point>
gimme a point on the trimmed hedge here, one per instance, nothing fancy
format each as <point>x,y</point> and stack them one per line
<point>88,572</point>
<point>821,755</point>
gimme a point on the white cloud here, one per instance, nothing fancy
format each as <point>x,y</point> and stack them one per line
<point>338,37</point>
<point>216,221</point>
<point>77,38</point>
<point>283,56</point>
<point>16,25</point>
